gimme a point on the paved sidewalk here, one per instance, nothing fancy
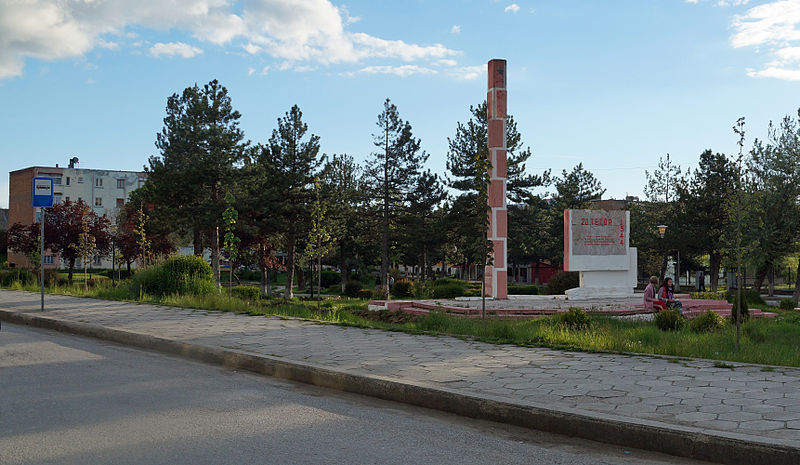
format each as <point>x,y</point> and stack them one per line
<point>748,400</point>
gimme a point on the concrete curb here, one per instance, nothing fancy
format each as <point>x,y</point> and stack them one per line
<point>675,440</point>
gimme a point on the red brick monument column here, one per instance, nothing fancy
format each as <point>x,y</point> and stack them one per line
<point>496,98</point>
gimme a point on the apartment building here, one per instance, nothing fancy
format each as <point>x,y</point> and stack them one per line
<point>103,190</point>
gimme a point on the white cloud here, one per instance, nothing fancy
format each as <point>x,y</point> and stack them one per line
<point>456,29</point>
<point>468,73</point>
<point>725,3</point>
<point>174,49</point>
<point>402,71</point>
<point>310,31</point>
<point>775,24</point>
<point>250,71</point>
<point>513,8</point>
<point>691,1</point>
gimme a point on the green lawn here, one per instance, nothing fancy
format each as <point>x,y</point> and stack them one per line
<point>770,342</point>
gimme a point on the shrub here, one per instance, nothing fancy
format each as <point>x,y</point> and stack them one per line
<point>184,275</point>
<point>562,281</point>
<point>574,318</point>
<point>52,277</point>
<point>745,301</point>
<point>401,289</point>
<point>419,289</point>
<point>523,289</point>
<point>19,275</point>
<point>750,295</point>
<point>710,295</point>
<point>669,320</point>
<point>787,304</point>
<point>351,288</point>
<point>330,278</point>
<point>364,294</point>
<point>447,291</point>
<point>248,293</point>
<point>707,322</point>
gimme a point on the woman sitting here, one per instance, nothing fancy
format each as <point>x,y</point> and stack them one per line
<point>667,294</point>
<point>651,300</point>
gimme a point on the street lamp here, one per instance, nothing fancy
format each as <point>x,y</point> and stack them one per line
<point>662,228</point>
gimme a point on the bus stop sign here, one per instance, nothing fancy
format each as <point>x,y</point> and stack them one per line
<point>43,192</point>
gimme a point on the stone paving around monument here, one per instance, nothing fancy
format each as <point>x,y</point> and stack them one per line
<point>750,400</point>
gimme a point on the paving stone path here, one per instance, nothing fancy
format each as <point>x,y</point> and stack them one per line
<point>749,399</point>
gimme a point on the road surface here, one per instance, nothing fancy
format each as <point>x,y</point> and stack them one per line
<point>72,400</point>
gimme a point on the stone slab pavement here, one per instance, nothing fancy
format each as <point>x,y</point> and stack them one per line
<point>749,401</point>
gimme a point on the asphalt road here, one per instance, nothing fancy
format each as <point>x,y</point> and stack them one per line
<point>66,399</point>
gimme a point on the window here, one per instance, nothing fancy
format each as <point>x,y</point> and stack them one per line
<point>80,179</point>
<point>98,202</point>
<point>120,184</point>
<point>66,198</point>
<point>98,182</point>
<point>67,183</point>
<point>120,203</point>
<point>48,260</point>
<point>79,199</point>
<point>56,180</point>
<point>98,260</point>
<point>56,198</point>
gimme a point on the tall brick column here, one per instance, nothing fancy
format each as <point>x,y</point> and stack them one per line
<point>496,99</point>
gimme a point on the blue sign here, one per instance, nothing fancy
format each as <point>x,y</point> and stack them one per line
<point>42,192</point>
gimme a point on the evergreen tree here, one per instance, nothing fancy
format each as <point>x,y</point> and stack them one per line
<point>202,149</point>
<point>293,161</point>
<point>423,231</point>
<point>392,172</point>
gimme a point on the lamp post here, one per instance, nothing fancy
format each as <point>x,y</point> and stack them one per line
<point>113,253</point>
<point>662,228</point>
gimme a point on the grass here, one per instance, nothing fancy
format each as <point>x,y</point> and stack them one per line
<point>769,342</point>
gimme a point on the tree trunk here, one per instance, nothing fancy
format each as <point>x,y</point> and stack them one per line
<point>345,274</point>
<point>301,278</point>
<point>288,294</point>
<point>715,259</point>
<point>215,256</point>
<point>771,280</point>
<point>128,265</point>
<point>761,273</point>
<point>264,284</point>
<point>197,241</point>
<point>796,293</point>
<point>385,249</point>
<point>71,269</point>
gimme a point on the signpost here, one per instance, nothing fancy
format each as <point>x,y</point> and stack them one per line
<point>42,192</point>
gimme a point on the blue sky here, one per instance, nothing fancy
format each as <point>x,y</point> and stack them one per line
<point>613,84</point>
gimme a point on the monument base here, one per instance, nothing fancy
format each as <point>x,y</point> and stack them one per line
<point>600,284</point>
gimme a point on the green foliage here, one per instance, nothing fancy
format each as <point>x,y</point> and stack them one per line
<point>707,322</point>
<point>352,288</point>
<point>364,294</point>
<point>523,289</point>
<point>733,298</point>
<point>402,289</point>
<point>248,293</point>
<point>787,304</point>
<point>177,275</point>
<point>750,295</point>
<point>447,290</point>
<point>755,332</point>
<point>669,320</point>
<point>331,278</point>
<point>52,277</point>
<point>18,275</point>
<point>710,295</point>
<point>574,318</point>
<point>562,281</point>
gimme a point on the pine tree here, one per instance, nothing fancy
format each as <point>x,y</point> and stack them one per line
<point>391,174</point>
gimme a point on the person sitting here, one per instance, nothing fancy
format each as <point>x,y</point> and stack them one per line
<point>651,300</point>
<point>666,293</point>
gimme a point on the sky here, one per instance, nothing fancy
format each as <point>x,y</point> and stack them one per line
<point>613,85</point>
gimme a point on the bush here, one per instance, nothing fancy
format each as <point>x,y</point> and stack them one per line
<point>447,291</point>
<point>52,277</point>
<point>787,304</point>
<point>351,288</point>
<point>401,289</point>
<point>562,281</point>
<point>745,312</point>
<point>184,275</point>
<point>710,295</point>
<point>364,294</point>
<point>19,275</point>
<point>669,320</point>
<point>574,318</point>
<point>330,278</point>
<point>750,295</point>
<point>248,293</point>
<point>707,322</point>
<point>523,289</point>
